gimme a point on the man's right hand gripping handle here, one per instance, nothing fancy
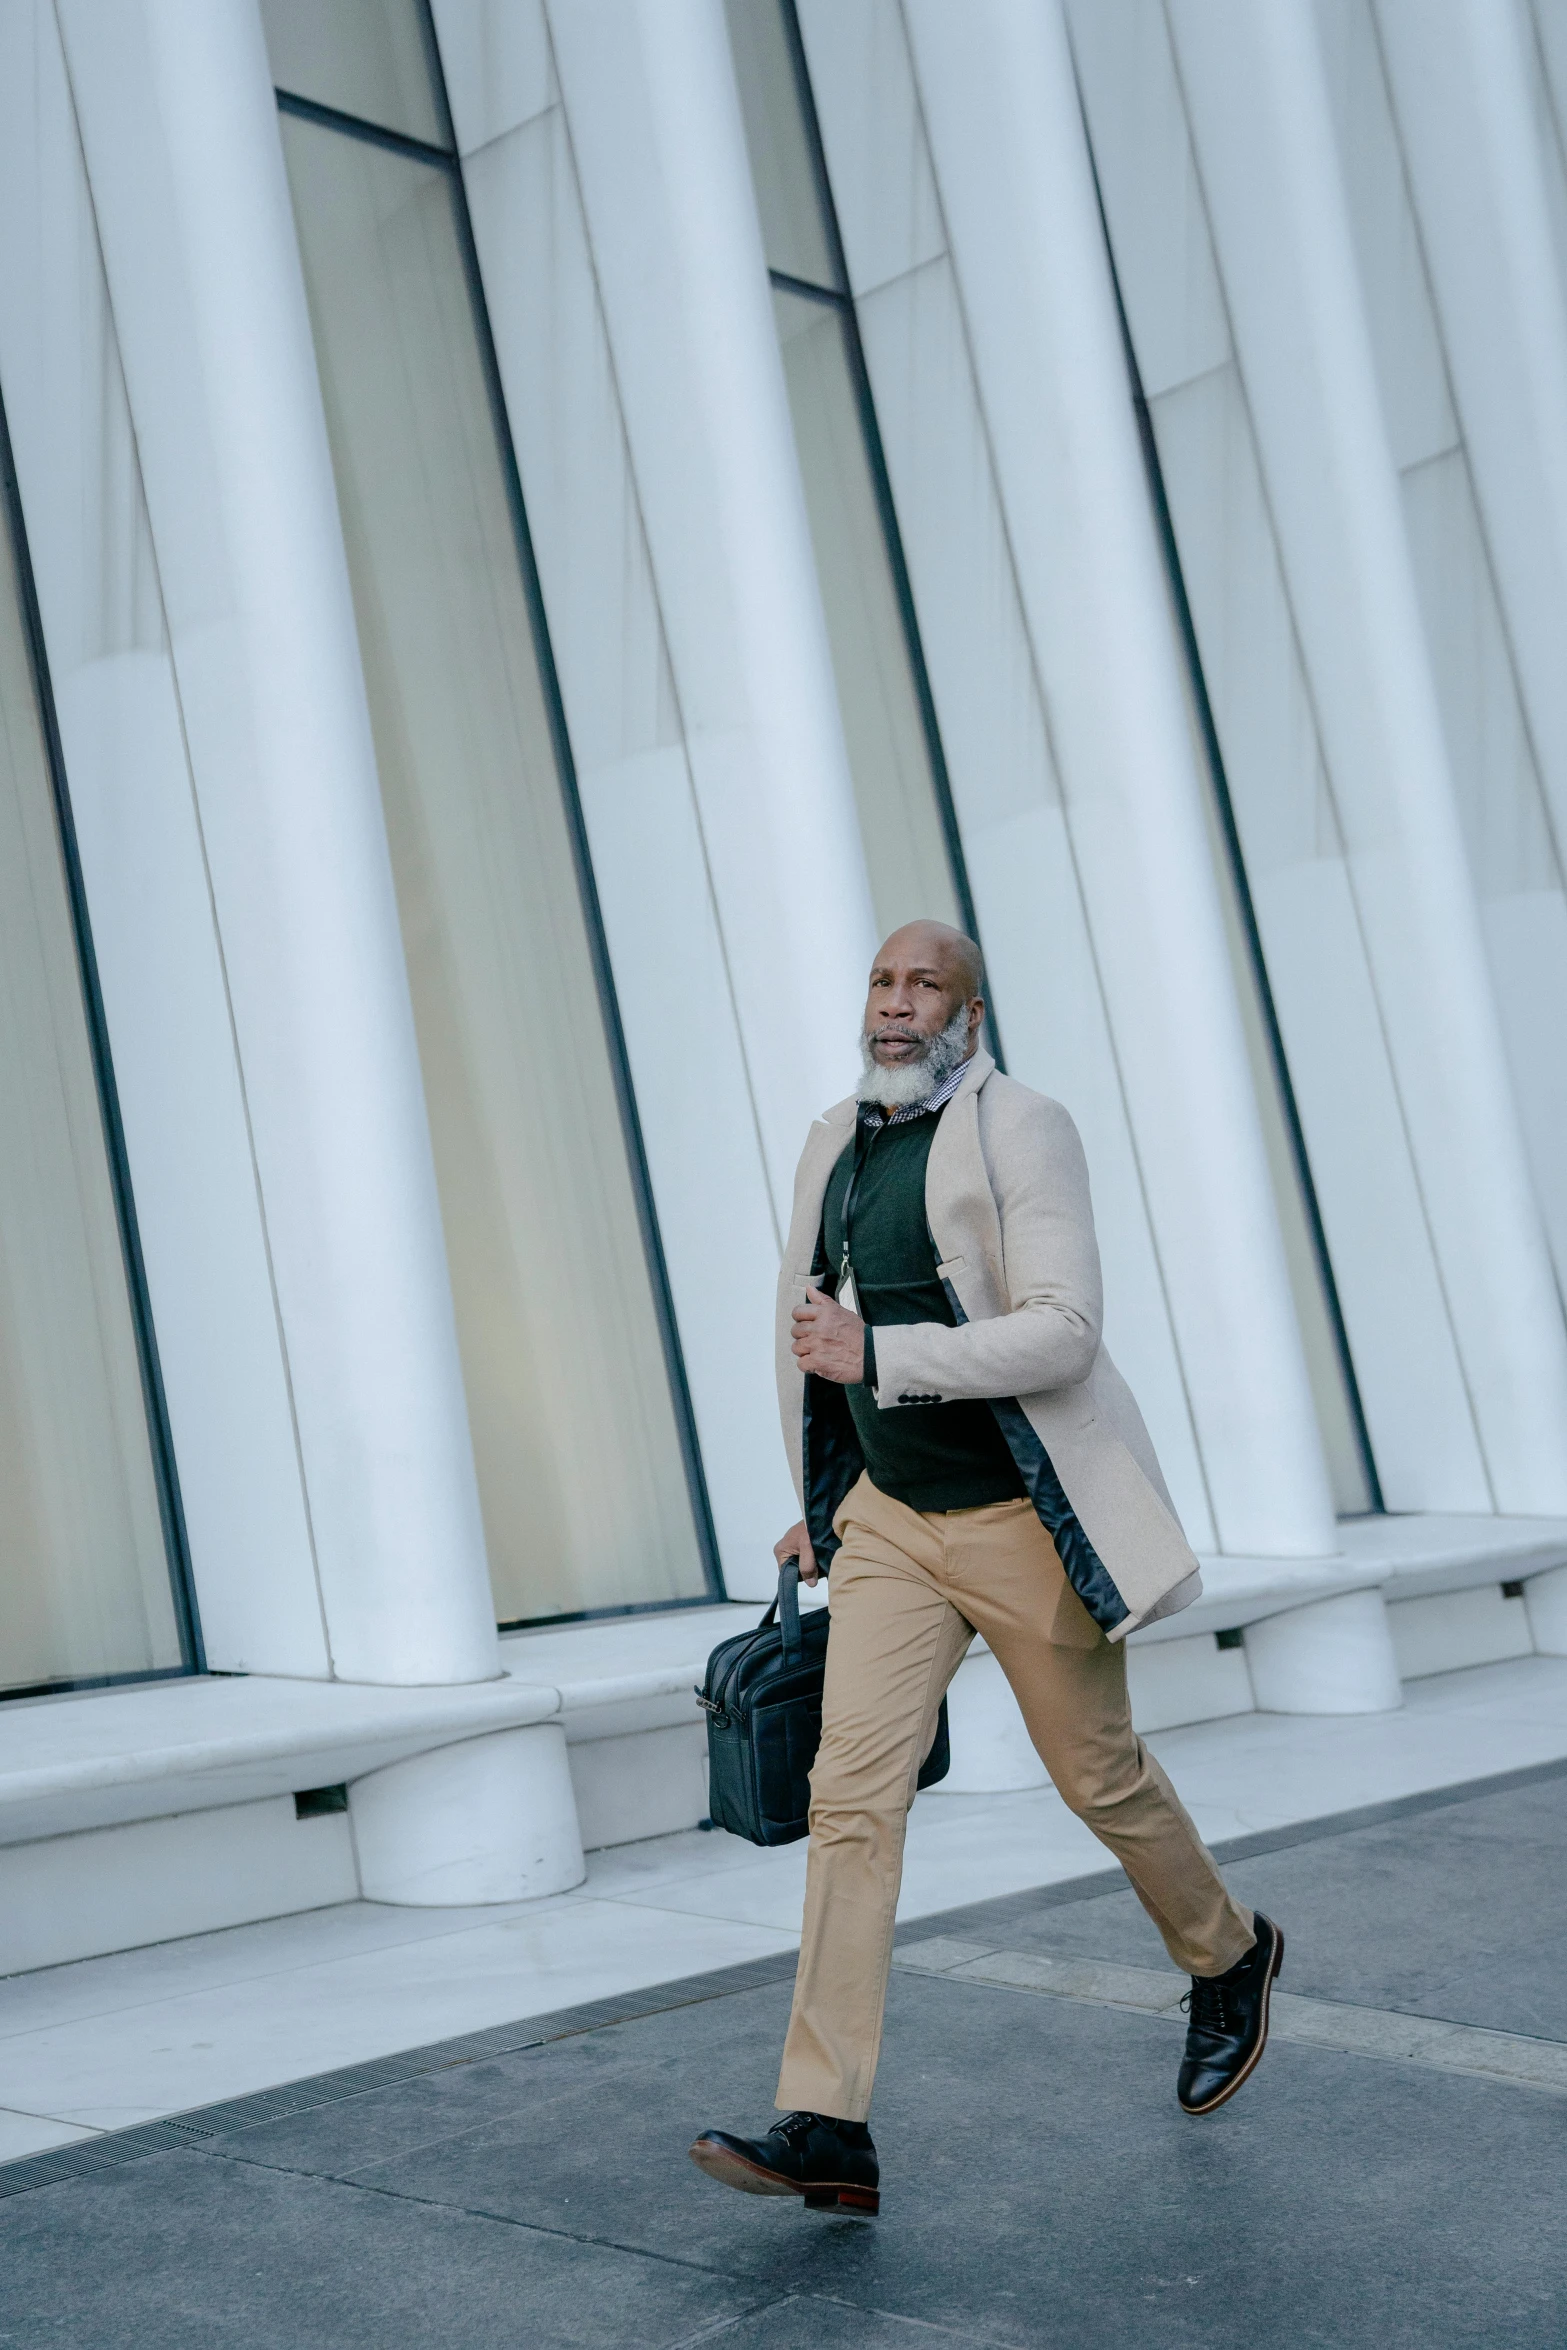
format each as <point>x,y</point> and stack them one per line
<point>796,1544</point>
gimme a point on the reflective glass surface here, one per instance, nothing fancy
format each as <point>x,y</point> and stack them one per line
<point>368,58</point>
<point>581,1471</point>
<point>84,1574</point>
<point>794,232</point>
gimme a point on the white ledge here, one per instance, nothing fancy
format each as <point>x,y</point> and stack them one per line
<point>103,1758</point>
<point>628,1673</point>
<point>1404,1557</point>
<point>1416,1555</point>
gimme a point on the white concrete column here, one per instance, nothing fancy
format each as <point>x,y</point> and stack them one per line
<point>180,134</point>
<point>1012,165</point>
<point>1545,1598</point>
<point>160,964</point>
<point>492,1819</point>
<point>666,185</point>
<point>1471,136</point>
<point>1333,1657</point>
<point>1264,139</point>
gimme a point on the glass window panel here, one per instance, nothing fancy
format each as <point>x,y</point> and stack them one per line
<point>365,57</point>
<point>580,1465</point>
<point>84,1575</point>
<point>905,845</point>
<point>782,166</point>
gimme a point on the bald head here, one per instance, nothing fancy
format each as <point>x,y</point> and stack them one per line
<point>923,1011</point>
<point>938,945</point>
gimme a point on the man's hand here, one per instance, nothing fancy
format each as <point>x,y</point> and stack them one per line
<point>829,1340</point>
<point>796,1544</point>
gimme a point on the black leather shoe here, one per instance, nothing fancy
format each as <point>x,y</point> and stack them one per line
<point>832,2164</point>
<point>1229,2026</point>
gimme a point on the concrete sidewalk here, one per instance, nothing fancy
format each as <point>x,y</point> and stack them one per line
<point>528,2185</point>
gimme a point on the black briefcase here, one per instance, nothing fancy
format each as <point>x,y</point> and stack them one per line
<point>763,1702</point>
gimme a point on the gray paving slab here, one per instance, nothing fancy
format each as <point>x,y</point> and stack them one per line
<point>1041,2185</point>
<point>805,2321</point>
<point>1458,1911</point>
<point>181,2252</point>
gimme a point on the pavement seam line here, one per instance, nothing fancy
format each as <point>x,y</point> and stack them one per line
<point>500,2219</point>
<point>610,2244</point>
<point>726,2325</point>
<point>29,2115</point>
<point>694,1991</point>
<point>901,2317</point>
<point>1477,2051</point>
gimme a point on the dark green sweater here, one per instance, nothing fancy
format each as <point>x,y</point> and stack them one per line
<point>943,1456</point>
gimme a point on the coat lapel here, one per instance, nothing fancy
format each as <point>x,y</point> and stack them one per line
<point>823,1148</point>
<point>960,1206</point>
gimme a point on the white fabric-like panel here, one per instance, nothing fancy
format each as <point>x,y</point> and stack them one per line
<point>981,665</point>
<point>1494,774</point>
<point>1547,62</point>
<point>1511,849</point>
<point>1527,935</point>
<point>701,1142</point>
<point>888,213</point>
<point>181,1100</point>
<point>906,854</point>
<point>1461,81</point>
<point>714,1210</point>
<point>1017,189</point>
<point>571,448</point>
<point>1404,337</point>
<point>1149,186</point>
<point>1390,1291</point>
<point>1152,196</point>
<point>180,132</point>
<point>1008,799</point>
<point>655,124</point>
<point>1264,136</point>
<point>1493,763</point>
<point>495,55</point>
<point>1401,1339</point>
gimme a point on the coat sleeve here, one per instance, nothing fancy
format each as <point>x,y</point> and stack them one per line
<point>1049,1335</point>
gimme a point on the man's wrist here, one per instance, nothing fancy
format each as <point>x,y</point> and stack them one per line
<point>868,1371</point>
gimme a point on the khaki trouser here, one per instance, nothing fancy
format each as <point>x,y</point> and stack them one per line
<point>909,1591</point>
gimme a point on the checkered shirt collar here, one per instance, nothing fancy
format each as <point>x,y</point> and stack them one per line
<point>873,1113</point>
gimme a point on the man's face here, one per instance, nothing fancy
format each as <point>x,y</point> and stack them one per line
<point>916,986</point>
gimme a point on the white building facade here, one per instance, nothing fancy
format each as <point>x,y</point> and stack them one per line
<point>536,530</point>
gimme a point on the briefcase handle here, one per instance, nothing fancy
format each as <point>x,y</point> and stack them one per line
<point>786,1609</point>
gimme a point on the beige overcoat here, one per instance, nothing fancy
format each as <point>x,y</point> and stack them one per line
<point>1006,1196</point>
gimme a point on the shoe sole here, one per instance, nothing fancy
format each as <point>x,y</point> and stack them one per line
<point>1255,2058</point>
<point>750,2178</point>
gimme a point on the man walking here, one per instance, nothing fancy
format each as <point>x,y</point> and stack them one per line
<point>968,1459</point>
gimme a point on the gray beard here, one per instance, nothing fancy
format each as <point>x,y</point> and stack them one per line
<point>912,1082</point>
